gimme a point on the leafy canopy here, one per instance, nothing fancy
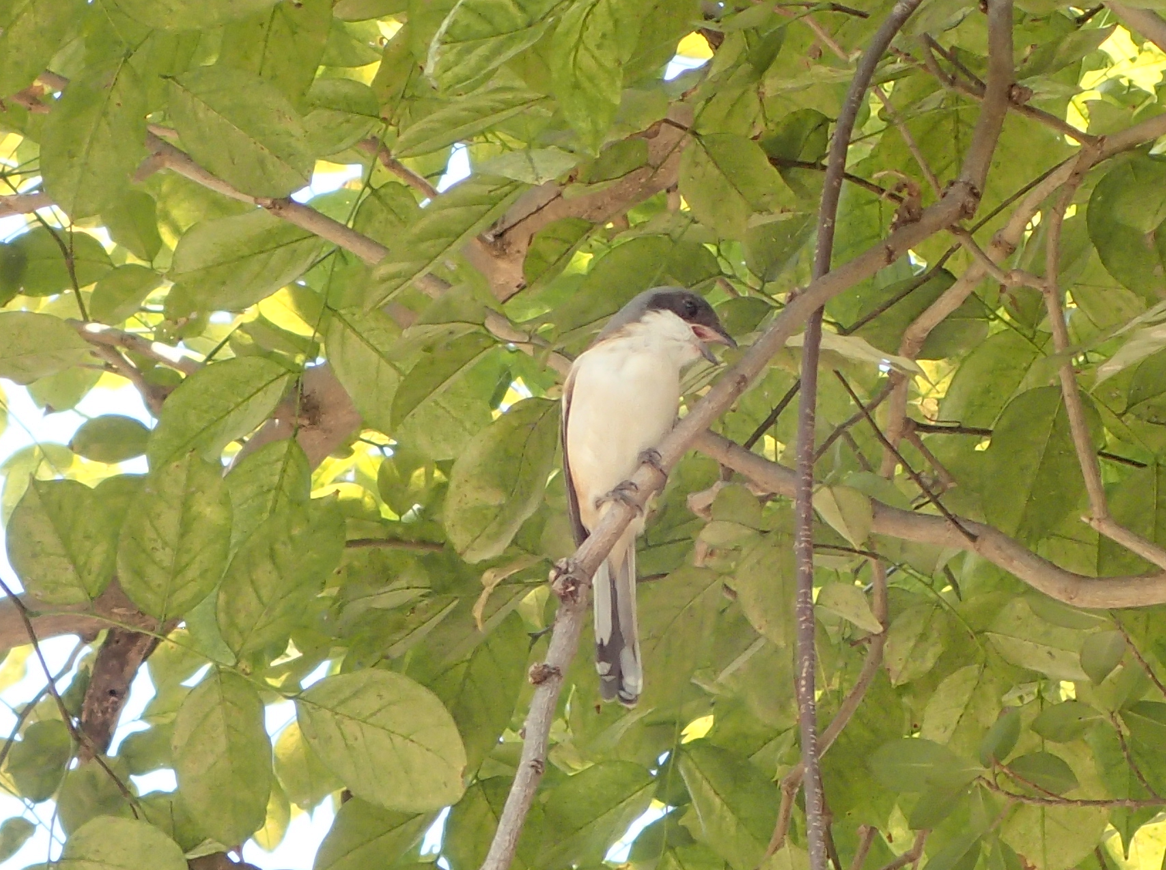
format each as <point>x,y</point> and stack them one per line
<point>350,468</point>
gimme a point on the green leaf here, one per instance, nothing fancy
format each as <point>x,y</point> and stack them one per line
<point>214,406</point>
<point>913,764</point>
<point>1046,771</point>
<point>587,75</point>
<point>360,349</point>
<point>35,263</point>
<point>1065,722</point>
<point>303,776</point>
<point>734,802</point>
<point>1147,722</point>
<point>233,262</point>
<point>175,537</point>
<point>273,477</point>
<point>534,166</point>
<point>1125,214</point>
<point>62,542</point>
<point>480,35</point>
<point>110,438</point>
<point>1101,653</point>
<point>480,692</point>
<point>33,31</point>
<point>466,117</point>
<point>222,756</point>
<point>132,221</point>
<point>498,481</point>
<point>37,762</point>
<point>1030,642</point>
<point>275,574</point>
<point>121,292</point>
<point>727,179</point>
<point>443,227</point>
<point>1060,836</point>
<point>14,833</point>
<point>846,600</point>
<point>1001,738</point>
<point>1032,449</point>
<point>590,810</point>
<point>437,369</point>
<point>847,510</point>
<point>282,44</point>
<point>34,346</point>
<point>184,15</point>
<point>93,140</point>
<point>915,640</point>
<point>342,113</point>
<point>764,583</point>
<point>107,843</point>
<point>363,835</point>
<point>242,129</point>
<point>387,738</point>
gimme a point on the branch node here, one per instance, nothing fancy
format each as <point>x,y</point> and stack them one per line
<point>541,672</point>
<point>566,580</point>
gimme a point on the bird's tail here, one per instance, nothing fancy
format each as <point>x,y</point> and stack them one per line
<point>617,641</point>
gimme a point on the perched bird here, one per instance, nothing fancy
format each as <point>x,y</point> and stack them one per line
<point>620,399</point>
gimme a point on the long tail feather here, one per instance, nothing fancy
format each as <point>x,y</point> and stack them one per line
<point>617,642</point>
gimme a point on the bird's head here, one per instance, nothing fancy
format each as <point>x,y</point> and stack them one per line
<point>704,327</point>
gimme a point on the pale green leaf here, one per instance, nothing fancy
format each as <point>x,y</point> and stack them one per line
<point>915,641</point>
<point>34,345</point>
<point>589,811</point>
<point>303,776</point>
<point>444,225</point>
<point>466,117</point>
<point>587,73</point>
<point>360,348</point>
<point>108,843</point>
<point>846,600</point>
<point>186,15</point>
<point>273,477</point>
<point>215,405</point>
<point>33,31</point>
<point>848,511</point>
<point>437,369</point>
<point>62,542</point>
<point>121,292</point>
<point>93,140</point>
<point>14,833</point>
<point>478,36</point>
<point>110,438</point>
<point>222,756</point>
<point>498,481</point>
<point>274,574</point>
<point>733,800</point>
<point>175,537</point>
<point>242,129</point>
<point>388,739</point>
<point>363,835</point>
<point>727,179</point>
<point>233,262</point>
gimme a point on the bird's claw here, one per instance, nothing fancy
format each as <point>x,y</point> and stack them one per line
<point>625,492</point>
<point>564,579</point>
<point>651,458</point>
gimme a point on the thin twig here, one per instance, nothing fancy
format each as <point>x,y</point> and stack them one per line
<point>1125,750</point>
<point>1138,655</point>
<point>393,544</point>
<point>1100,520</point>
<point>842,427</point>
<point>1109,803</point>
<point>911,472</point>
<point>866,835</point>
<point>911,855</point>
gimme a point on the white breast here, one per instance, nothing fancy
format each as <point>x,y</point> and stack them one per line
<point>623,401</point>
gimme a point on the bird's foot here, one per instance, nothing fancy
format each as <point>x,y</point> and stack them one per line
<point>651,458</point>
<point>625,492</point>
<point>565,580</point>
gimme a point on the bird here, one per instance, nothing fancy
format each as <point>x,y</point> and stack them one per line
<point>620,399</point>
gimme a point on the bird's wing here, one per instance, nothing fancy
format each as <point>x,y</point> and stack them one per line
<point>577,530</point>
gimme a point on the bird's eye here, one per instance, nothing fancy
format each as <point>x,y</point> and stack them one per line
<point>689,307</point>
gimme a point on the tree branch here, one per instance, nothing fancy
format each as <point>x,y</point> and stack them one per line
<point>1097,593</point>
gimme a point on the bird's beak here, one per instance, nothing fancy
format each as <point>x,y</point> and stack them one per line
<point>712,335</point>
